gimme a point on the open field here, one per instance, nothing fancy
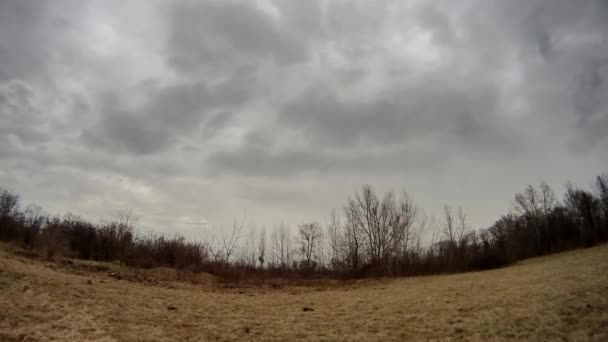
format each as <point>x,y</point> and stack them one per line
<point>557,297</point>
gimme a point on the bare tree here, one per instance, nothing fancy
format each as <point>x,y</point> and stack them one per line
<point>419,231</point>
<point>533,203</point>
<point>405,232</point>
<point>34,215</point>
<point>34,219</point>
<point>127,218</point>
<point>601,190</point>
<point>9,203</point>
<point>337,242</point>
<point>281,244</point>
<point>262,247</point>
<point>228,242</point>
<point>309,236</point>
<point>249,248</point>
<point>586,209</point>
<point>53,238</point>
<point>383,224</point>
<point>526,203</point>
<point>464,227</point>
<point>534,206</point>
<point>125,231</point>
<point>454,229</point>
<point>367,215</point>
<point>548,200</point>
<point>449,226</point>
<point>354,235</point>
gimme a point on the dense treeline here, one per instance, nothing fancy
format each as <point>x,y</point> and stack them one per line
<point>373,235</point>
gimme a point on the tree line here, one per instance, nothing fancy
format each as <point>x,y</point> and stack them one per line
<point>372,235</point>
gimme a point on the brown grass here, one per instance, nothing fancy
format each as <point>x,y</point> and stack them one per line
<point>558,297</point>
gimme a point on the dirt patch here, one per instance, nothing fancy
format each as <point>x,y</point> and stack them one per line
<point>75,266</point>
<point>170,275</point>
<point>159,276</point>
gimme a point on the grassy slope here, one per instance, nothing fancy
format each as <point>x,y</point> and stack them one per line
<point>562,296</point>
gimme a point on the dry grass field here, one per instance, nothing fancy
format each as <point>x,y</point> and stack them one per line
<point>558,297</point>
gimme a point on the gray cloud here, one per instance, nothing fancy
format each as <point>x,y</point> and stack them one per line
<point>169,113</point>
<point>400,114</point>
<point>201,110</point>
<point>228,33</point>
<point>17,112</point>
<point>257,161</point>
<point>34,36</point>
<point>591,100</point>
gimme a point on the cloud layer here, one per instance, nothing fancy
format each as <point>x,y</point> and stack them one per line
<point>203,111</point>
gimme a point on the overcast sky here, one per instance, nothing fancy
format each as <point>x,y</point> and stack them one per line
<point>276,111</point>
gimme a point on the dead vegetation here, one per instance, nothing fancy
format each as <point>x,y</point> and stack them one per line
<point>557,297</point>
<point>158,276</point>
<point>376,235</point>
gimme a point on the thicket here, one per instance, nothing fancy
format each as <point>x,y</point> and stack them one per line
<point>373,235</point>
